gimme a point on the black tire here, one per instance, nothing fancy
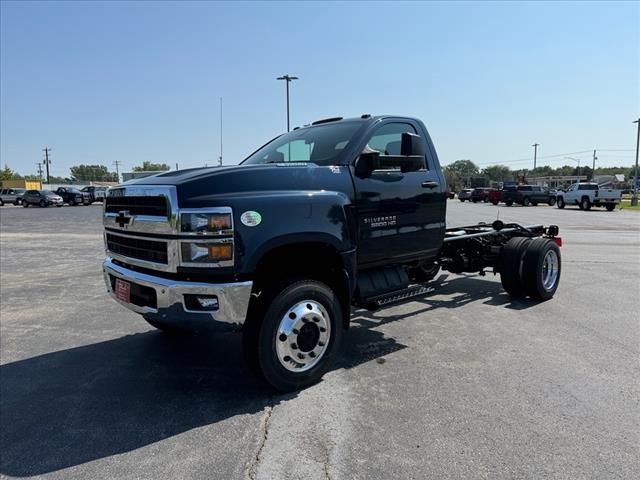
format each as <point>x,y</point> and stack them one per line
<point>585,204</point>
<point>72,203</point>
<point>43,204</point>
<point>474,201</point>
<point>262,326</point>
<point>165,328</point>
<point>539,278</point>
<point>552,202</point>
<point>495,202</point>
<point>560,203</point>
<point>18,202</point>
<point>424,273</point>
<point>1,203</point>
<point>526,202</point>
<point>510,263</point>
<point>508,203</point>
<point>25,204</point>
<point>610,207</point>
<point>462,200</point>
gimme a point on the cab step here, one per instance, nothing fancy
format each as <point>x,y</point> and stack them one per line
<point>397,296</point>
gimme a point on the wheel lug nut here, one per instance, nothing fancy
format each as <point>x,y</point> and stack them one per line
<point>301,356</point>
<point>294,346</point>
<point>321,344</point>
<point>295,331</point>
<point>283,337</point>
<point>312,355</point>
<point>305,320</point>
<point>322,329</point>
<point>316,319</point>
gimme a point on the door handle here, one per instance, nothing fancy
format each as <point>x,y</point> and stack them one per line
<point>429,184</point>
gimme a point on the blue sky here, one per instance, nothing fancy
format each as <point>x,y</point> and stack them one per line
<point>135,81</point>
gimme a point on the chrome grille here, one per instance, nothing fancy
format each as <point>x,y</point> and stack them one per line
<point>138,205</point>
<point>135,247</point>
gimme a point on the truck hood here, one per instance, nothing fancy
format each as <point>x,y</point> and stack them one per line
<point>214,186</point>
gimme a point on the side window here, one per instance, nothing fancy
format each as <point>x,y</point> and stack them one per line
<point>2,192</point>
<point>296,151</point>
<point>388,139</point>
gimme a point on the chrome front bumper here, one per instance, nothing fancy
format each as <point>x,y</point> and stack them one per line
<point>170,308</point>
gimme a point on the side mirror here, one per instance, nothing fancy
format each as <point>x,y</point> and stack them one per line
<point>411,158</point>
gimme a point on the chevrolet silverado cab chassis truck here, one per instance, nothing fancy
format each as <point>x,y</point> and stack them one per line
<point>337,214</point>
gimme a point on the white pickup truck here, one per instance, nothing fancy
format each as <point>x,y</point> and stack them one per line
<point>587,195</point>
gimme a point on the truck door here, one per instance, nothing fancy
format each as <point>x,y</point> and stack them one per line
<point>400,214</point>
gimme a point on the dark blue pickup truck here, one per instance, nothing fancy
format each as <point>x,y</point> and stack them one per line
<point>335,214</point>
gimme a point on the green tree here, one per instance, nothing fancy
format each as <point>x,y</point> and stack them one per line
<point>98,173</point>
<point>151,167</point>
<point>497,173</point>
<point>459,174</point>
<point>7,174</point>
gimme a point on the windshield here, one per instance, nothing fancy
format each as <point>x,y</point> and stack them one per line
<point>48,193</point>
<point>73,190</point>
<point>19,190</point>
<point>322,145</point>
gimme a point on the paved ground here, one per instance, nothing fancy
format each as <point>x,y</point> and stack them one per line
<point>463,384</point>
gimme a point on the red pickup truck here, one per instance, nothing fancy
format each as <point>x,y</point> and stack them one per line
<point>494,196</point>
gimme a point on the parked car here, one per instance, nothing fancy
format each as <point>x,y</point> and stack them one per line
<point>73,196</point>
<point>96,194</point>
<point>586,195</point>
<point>11,195</point>
<point>480,194</point>
<point>465,194</point>
<point>44,198</point>
<point>494,196</point>
<point>527,195</point>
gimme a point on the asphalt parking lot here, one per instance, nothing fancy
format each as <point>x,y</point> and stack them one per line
<point>464,383</point>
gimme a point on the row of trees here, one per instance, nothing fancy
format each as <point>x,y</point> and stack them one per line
<point>465,173</point>
<point>84,173</point>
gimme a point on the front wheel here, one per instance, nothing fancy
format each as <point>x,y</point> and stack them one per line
<point>1,203</point>
<point>18,202</point>
<point>509,203</point>
<point>294,337</point>
<point>610,207</point>
<point>495,202</point>
<point>25,204</point>
<point>561,203</point>
<point>43,204</point>
<point>552,202</point>
<point>72,203</point>
<point>526,202</point>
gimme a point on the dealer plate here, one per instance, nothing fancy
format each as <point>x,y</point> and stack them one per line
<point>123,290</point>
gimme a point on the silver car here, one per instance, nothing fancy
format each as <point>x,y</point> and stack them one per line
<point>11,195</point>
<point>465,194</point>
<point>44,198</point>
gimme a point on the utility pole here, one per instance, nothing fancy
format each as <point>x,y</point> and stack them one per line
<point>177,166</point>
<point>594,163</point>
<point>117,164</point>
<point>287,78</point>
<point>535,154</point>
<point>634,199</point>
<point>40,171</point>
<point>46,151</point>
<point>220,158</point>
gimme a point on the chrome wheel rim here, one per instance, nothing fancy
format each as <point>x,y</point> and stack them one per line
<point>303,336</point>
<point>550,270</point>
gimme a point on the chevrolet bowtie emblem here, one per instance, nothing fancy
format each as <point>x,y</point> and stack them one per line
<point>123,219</point>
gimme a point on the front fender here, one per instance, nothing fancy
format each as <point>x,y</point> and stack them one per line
<point>289,218</point>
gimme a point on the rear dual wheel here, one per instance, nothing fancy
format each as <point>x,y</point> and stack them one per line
<point>293,335</point>
<point>530,267</point>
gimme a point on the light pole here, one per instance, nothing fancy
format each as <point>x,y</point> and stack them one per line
<point>577,160</point>
<point>634,199</point>
<point>287,78</point>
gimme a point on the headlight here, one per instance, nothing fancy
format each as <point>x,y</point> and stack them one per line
<point>219,252</point>
<point>205,223</point>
